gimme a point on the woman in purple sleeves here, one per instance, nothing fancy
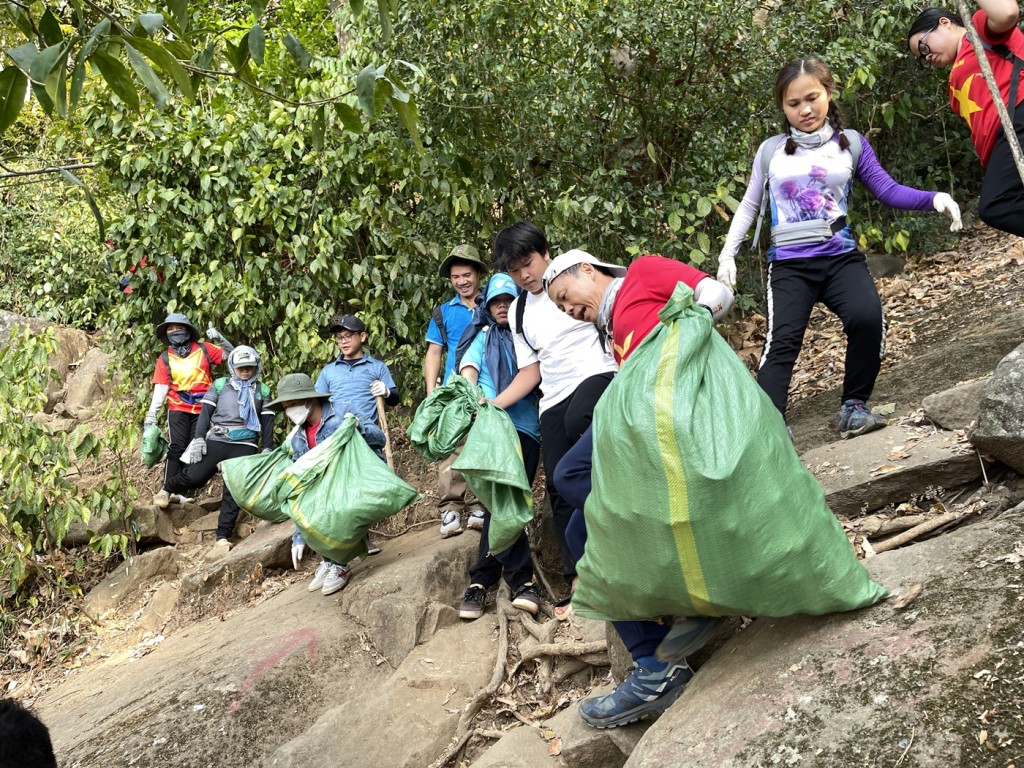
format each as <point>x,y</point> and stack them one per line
<point>807,173</point>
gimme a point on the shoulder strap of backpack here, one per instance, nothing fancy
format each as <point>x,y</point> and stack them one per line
<point>167,364</point>
<point>1003,51</point>
<point>206,354</point>
<point>766,151</point>
<point>439,320</point>
<point>521,317</point>
<point>855,145</point>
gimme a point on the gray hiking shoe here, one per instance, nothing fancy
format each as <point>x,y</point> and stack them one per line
<point>473,603</point>
<point>855,419</point>
<point>687,636</point>
<point>451,523</point>
<point>649,690</point>
<point>475,520</point>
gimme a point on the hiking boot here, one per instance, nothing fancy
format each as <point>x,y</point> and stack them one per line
<point>855,419</point>
<point>473,603</point>
<point>687,636</point>
<point>451,523</point>
<point>371,548</point>
<point>162,499</point>
<point>527,598</point>
<point>650,689</point>
<point>337,577</point>
<point>475,521</point>
<point>319,576</point>
<point>219,550</point>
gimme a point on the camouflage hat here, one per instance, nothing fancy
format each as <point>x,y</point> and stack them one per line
<point>466,253</point>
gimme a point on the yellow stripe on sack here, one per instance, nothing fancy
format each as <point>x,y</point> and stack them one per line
<point>675,473</point>
<point>303,522</point>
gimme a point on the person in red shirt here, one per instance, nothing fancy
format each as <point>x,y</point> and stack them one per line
<point>182,375</point>
<point>624,305</point>
<point>939,37</point>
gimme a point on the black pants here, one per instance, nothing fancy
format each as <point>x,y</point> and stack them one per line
<point>844,285</point>
<point>194,476</point>
<point>514,563</point>
<point>561,426</point>
<point>181,427</point>
<point>1001,204</point>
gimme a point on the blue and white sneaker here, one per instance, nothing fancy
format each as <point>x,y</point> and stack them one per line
<point>650,689</point>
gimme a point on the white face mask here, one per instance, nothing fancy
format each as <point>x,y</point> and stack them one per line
<point>297,414</point>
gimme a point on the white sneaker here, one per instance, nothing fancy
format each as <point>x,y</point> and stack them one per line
<point>162,499</point>
<point>319,576</point>
<point>451,523</point>
<point>475,521</point>
<point>337,577</point>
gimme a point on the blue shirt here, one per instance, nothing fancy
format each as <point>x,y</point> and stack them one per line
<point>348,384</point>
<point>524,413</point>
<point>456,316</point>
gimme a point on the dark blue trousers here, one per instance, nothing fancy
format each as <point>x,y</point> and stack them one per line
<point>572,479</point>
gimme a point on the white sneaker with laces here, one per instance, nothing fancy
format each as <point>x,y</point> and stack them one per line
<point>162,499</point>
<point>337,577</point>
<point>475,521</point>
<point>451,523</point>
<point>319,576</point>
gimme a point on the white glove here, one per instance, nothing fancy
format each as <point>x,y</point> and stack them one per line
<point>149,420</point>
<point>298,550</point>
<point>213,334</point>
<point>379,389</point>
<point>727,271</point>
<point>194,452</point>
<point>943,203</point>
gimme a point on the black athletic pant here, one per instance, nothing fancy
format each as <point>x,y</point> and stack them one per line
<point>194,476</point>
<point>1001,204</point>
<point>514,563</point>
<point>181,428</point>
<point>841,283</point>
<point>561,426</point>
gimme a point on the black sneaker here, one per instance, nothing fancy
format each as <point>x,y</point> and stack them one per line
<point>527,598</point>
<point>473,603</point>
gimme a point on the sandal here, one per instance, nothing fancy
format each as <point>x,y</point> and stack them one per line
<point>563,609</point>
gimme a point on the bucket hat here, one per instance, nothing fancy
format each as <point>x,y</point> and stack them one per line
<point>295,386</point>
<point>464,252</point>
<point>501,284</point>
<point>176,318</point>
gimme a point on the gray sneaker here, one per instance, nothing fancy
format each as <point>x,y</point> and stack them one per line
<point>337,577</point>
<point>319,576</point>
<point>451,523</point>
<point>473,603</point>
<point>527,598</point>
<point>855,419</point>
<point>475,521</point>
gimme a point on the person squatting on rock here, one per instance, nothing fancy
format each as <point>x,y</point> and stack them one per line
<point>24,740</point>
<point>352,381</point>
<point>561,354</point>
<point>813,254</point>
<point>182,375</point>
<point>490,362</point>
<point>234,419</point>
<point>463,269</point>
<point>939,37</point>
<point>624,305</point>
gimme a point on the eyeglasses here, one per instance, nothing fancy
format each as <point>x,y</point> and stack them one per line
<point>923,51</point>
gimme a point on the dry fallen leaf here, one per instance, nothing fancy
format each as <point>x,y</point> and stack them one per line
<point>908,596</point>
<point>886,468</point>
<point>555,747</point>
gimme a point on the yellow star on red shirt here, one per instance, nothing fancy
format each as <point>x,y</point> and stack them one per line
<point>963,97</point>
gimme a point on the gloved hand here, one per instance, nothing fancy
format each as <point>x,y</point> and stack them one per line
<point>148,421</point>
<point>379,389</point>
<point>349,413</point>
<point>194,452</point>
<point>213,334</point>
<point>297,551</point>
<point>727,272</point>
<point>944,203</point>
<point>267,450</point>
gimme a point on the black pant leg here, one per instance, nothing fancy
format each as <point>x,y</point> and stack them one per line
<point>1001,204</point>
<point>554,444</point>
<point>580,412</point>
<point>181,428</point>
<point>229,508</point>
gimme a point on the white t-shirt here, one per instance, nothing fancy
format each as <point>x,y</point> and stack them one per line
<point>568,350</point>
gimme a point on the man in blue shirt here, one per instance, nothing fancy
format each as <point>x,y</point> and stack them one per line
<point>463,269</point>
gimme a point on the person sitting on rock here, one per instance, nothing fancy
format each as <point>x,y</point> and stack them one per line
<point>234,420</point>
<point>490,362</point>
<point>182,376</point>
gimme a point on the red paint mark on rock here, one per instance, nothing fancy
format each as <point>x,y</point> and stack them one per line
<point>289,643</point>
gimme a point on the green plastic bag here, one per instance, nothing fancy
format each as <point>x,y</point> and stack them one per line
<point>251,481</point>
<point>700,505</point>
<point>336,491</point>
<point>492,463</point>
<point>442,420</point>
<point>154,445</point>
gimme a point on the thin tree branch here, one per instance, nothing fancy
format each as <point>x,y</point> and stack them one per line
<point>52,169</point>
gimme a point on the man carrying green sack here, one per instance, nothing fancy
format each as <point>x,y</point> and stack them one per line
<point>689,451</point>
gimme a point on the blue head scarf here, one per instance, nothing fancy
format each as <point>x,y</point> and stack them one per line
<point>243,357</point>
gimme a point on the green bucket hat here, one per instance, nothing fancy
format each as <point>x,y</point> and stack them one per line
<point>465,253</point>
<point>295,386</point>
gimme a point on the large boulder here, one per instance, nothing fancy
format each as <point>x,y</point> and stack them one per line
<point>1000,430</point>
<point>269,547</point>
<point>957,407</point>
<point>89,383</point>
<point>131,576</point>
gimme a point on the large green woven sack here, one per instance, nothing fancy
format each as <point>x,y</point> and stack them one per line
<point>492,463</point>
<point>154,445</point>
<point>443,418</point>
<point>700,505</point>
<point>251,480</point>
<point>336,491</point>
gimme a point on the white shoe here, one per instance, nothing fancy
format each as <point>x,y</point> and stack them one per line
<point>319,576</point>
<point>475,521</point>
<point>337,577</point>
<point>162,499</point>
<point>451,523</point>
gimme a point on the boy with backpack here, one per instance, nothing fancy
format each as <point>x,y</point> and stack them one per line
<point>463,268</point>
<point>234,419</point>
<point>182,376</point>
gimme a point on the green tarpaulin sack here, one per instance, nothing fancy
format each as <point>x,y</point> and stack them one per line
<point>443,418</point>
<point>154,445</point>
<point>252,479</point>
<point>700,505</point>
<point>336,491</point>
<point>492,463</point>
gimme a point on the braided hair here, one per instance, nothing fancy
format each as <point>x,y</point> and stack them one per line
<point>820,72</point>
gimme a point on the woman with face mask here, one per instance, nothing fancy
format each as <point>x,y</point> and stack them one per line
<point>182,376</point>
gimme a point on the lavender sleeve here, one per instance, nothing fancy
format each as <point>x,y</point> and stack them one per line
<point>880,184</point>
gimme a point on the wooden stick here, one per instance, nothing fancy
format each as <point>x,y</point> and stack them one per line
<point>993,89</point>
<point>387,435</point>
<point>917,530</point>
